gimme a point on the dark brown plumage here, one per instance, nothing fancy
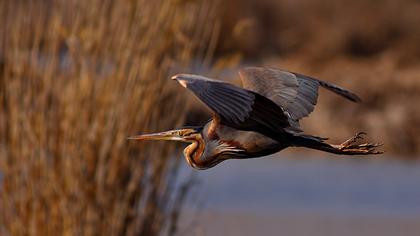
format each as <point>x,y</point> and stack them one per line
<point>257,120</point>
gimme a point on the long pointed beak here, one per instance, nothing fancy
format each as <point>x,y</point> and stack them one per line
<point>167,135</point>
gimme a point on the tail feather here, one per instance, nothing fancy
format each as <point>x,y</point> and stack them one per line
<point>338,90</point>
<point>333,88</point>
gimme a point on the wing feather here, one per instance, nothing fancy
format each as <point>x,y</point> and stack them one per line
<point>231,103</point>
<point>237,107</point>
<point>297,94</point>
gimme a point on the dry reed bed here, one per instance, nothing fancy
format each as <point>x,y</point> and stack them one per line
<point>76,78</point>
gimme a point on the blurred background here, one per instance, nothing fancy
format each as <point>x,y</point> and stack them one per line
<point>78,77</point>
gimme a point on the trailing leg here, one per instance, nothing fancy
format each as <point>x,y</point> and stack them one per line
<point>348,147</point>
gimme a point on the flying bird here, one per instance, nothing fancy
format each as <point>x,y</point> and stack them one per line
<point>259,119</point>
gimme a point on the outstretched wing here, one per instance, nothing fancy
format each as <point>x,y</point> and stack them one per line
<point>236,107</point>
<point>297,94</point>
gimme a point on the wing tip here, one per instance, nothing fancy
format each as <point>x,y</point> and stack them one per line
<point>183,83</point>
<point>184,79</point>
<point>354,98</point>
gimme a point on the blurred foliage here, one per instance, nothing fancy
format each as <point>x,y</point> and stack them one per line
<point>370,47</point>
<point>322,30</point>
<point>76,78</point>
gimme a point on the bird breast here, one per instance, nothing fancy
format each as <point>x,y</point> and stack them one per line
<point>248,141</point>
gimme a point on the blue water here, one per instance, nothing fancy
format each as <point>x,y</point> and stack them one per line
<point>327,185</point>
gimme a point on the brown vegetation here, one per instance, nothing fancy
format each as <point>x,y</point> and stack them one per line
<point>371,47</point>
<point>77,78</point>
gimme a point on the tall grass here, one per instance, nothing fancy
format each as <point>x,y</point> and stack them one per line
<point>76,78</point>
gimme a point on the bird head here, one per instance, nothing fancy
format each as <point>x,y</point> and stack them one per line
<point>190,135</point>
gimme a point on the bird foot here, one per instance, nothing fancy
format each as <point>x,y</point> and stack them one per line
<point>350,146</point>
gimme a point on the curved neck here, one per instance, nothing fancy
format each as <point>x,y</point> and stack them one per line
<point>194,152</point>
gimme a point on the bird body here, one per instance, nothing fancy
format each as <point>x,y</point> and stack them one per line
<point>251,142</point>
<point>259,119</point>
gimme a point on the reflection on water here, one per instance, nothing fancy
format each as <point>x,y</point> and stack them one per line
<point>340,193</point>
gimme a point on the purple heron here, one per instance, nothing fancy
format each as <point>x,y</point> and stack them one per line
<point>259,119</point>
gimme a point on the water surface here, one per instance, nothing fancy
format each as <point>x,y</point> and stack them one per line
<point>318,195</point>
